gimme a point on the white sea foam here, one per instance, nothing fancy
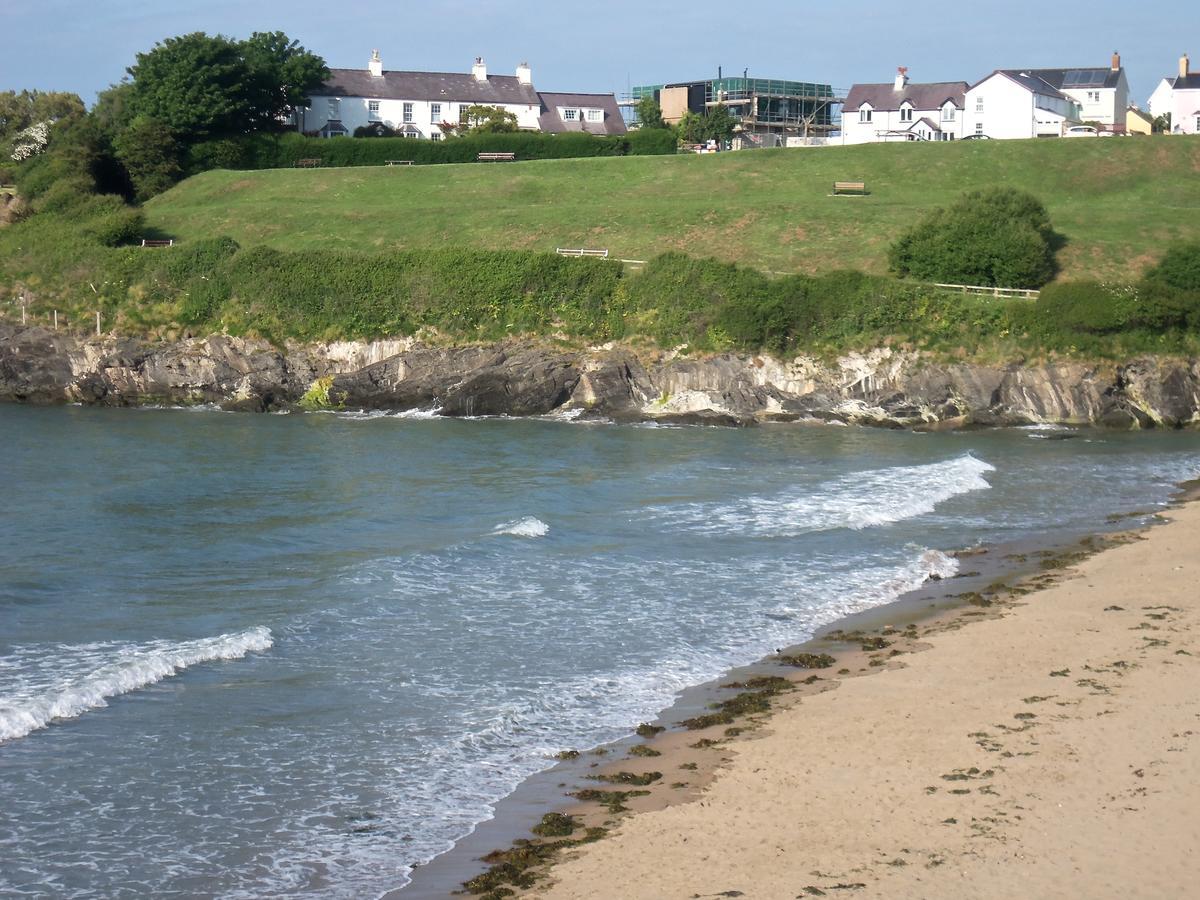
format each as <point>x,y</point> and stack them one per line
<point>857,500</point>
<point>89,675</point>
<point>528,527</point>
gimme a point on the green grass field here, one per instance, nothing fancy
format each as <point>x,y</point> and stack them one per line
<point>1116,201</point>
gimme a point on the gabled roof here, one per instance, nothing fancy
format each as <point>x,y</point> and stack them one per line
<point>1074,79</point>
<point>551,121</point>
<point>1189,82</point>
<point>927,121</point>
<point>1031,82</point>
<point>919,96</point>
<point>435,86</point>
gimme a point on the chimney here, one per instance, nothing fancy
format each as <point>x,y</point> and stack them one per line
<point>524,74</point>
<point>479,70</point>
<point>375,66</point>
<point>1116,61</point>
<point>1183,66</point>
<point>901,78</point>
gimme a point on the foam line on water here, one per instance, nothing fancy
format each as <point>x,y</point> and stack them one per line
<point>99,673</point>
<point>528,527</point>
<point>857,500</point>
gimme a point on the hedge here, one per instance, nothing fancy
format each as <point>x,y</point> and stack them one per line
<point>266,151</point>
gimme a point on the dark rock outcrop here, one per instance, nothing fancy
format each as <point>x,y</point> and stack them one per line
<point>883,387</point>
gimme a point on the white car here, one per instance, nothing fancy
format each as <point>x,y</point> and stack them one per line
<point>1081,131</point>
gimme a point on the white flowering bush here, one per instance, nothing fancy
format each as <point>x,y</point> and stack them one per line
<point>31,142</point>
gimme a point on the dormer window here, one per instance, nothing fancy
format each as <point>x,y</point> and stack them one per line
<point>570,115</point>
<point>906,113</point>
<point>864,113</point>
<point>595,115</point>
<point>949,112</point>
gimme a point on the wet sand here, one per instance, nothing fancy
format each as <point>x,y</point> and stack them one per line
<point>1052,748</point>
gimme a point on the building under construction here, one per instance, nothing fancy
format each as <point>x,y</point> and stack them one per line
<point>768,111</point>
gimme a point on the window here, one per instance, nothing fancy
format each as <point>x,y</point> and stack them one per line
<point>864,113</point>
<point>978,104</point>
<point>334,106</point>
<point>408,112</point>
<point>435,112</point>
<point>906,114</point>
<point>979,128</point>
<point>462,113</point>
<point>948,112</point>
<point>595,115</point>
<point>373,110</point>
<point>570,115</point>
<point>1093,96</point>
<point>436,136</point>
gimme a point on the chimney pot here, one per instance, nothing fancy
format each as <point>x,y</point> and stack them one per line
<point>901,77</point>
<point>1116,61</point>
<point>524,74</point>
<point>479,70</point>
<point>375,66</point>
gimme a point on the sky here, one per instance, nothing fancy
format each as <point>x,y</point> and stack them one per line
<point>606,45</point>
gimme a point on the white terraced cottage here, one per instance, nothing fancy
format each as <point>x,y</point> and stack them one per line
<point>902,111</point>
<point>416,104</point>
<point>1179,98</point>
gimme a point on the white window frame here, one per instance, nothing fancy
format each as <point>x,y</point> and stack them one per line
<point>978,104</point>
<point>949,111</point>
<point>435,112</point>
<point>373,111</point>
<point>408,112</point>
<point>906,113</point>
<point>979,128</point>
<point>864,114</point>
<point>594,115</point>
<point>570,115</point>
<point>435,136</point>
<point>334,106</point>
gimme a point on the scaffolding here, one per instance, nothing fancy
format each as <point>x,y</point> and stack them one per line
<point>763,106</point>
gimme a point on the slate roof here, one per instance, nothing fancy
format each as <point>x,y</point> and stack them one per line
<point>550,121</point>
<point>435,86</point>
<point>1030,81</point>
<point>928,121</point>
<point>1189,82</point>
<point>1073,79</point>
<point>921,96</point>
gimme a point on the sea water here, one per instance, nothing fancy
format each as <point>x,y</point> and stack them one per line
<point>247,656</point>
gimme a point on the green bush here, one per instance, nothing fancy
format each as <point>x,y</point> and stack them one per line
<point>108,220</point>
<point>65,194</point>
<point>1082,306</point>
<point>1179,268</point>
<point>995,237</point>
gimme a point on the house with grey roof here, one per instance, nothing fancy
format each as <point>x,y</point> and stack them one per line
<point>417,104</point>
<point>1179,98</point>
<point>903,111</point>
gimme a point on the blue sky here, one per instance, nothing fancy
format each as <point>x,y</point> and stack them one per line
<point>604,45</point>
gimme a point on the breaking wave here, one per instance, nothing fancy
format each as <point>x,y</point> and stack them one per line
<point>528,527</point>
<point>100,671</point>
<point>857,500</point>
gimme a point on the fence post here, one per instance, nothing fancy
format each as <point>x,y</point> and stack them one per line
<point>56,320</point>
<point>97,323</point>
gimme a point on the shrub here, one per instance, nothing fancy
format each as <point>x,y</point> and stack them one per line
<point>998,236</point>
<point>64,194</point>
<point>1082,306</point>
<point>108,220</point>
<point>1179,268</point>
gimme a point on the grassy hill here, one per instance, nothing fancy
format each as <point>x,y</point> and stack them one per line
<point>1117,201</point>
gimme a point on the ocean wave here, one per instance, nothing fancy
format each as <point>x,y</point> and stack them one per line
<point>105,671</point>
<point>858,500</point>
<point>528,527</point>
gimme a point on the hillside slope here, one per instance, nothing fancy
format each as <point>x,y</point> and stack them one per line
<point>1116,201</point>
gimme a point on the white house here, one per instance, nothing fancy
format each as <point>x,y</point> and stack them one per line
<point>1017,104</point>
<point>1179,97</point>
<point>416,104</point>
<point>902,111</point>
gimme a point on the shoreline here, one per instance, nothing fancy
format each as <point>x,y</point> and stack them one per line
<point>843,798</point>
<point>935,605</point>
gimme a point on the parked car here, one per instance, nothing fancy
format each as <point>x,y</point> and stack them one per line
<point>1080,131</point>
<point>976,137</point>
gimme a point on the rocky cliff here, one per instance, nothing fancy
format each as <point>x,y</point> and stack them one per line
<point>884,387</point>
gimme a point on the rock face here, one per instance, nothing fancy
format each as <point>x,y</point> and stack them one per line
<point>884,387</point>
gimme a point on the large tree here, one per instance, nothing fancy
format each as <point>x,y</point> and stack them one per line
<point>19,111</point>
<point>200,85</point>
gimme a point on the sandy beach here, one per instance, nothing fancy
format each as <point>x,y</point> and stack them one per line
<point>1049,749</point>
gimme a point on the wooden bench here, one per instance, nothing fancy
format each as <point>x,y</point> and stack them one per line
<point>307,164</point>
<point>850,187</point>
<point>397,162</point>
<point>496,157</point>
<point>149,243</point>
<point>565,251</point>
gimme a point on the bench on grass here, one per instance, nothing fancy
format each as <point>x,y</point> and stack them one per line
<point>307,164</point>
<point>496,157</point>
<point>149,243</point>
<point>850,187</point>
<point>397,162</point>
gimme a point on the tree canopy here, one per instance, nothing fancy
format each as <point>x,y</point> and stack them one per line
<point>482,119</point>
